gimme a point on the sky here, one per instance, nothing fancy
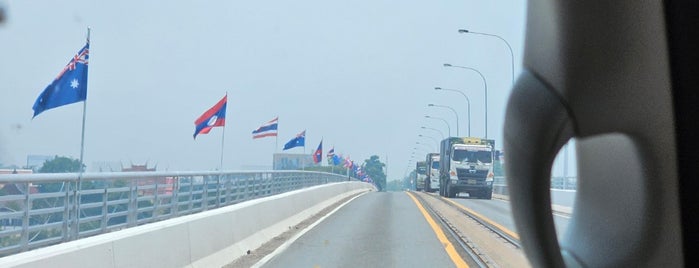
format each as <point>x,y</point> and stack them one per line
<point>357,75</point>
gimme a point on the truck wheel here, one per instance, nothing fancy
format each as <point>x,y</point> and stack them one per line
<point>450,192</point>
<point>488,195</point>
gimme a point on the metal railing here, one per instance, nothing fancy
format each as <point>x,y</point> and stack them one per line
<point>37,210</point>
<point>559,183</point>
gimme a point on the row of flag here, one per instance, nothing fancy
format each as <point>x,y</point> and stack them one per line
<point>70,86</point>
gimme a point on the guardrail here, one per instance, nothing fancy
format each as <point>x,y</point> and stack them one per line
<point>37,210</point>
<point>559,183</point>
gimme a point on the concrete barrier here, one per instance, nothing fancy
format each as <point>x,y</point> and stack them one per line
<point>208,239</point>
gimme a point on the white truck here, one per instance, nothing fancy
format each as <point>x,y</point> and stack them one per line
<point>432,180</point>
<point>466,165</point>
<point>420,174</point>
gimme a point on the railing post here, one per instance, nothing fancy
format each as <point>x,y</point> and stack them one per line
<point>105,209</point>
<point>218,190</point>
<point>175,200</point>
<point>24,240</point>
<point>205,195</point>
<point>132,214</point>
<point>66,212</point>
<point>155,200</point>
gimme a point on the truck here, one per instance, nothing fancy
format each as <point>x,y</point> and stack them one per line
<point>420,173</point>
<point>432,179</point>
<point>466,166</point>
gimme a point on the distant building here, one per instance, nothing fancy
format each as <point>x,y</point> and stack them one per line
<point>35,162</point>
<point>282,161</point>
<point>105,166</point>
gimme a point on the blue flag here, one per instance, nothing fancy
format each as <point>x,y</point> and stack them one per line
<point>299,140</point>
<point>69,87</point>
<point>337,160</point>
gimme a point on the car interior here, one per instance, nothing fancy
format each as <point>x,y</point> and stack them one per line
<point>617,77</point>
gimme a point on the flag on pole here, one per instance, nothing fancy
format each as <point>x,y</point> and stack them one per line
<point>331,155</point>
<point>269,129</point>
<point>70,86</point>
<point>337,160</point>
<point>214,117</point>
<point>318,154</point>
<point>299,140</point>
<point>348,162</point>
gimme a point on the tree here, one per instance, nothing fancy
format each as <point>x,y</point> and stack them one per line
<point>375,169</point>
<point>61,164</point>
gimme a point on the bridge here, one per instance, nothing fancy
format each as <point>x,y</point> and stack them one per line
<point>253,219</point>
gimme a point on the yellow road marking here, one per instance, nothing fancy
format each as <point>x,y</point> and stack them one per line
<point>448,247</point>
<point>483,218</point>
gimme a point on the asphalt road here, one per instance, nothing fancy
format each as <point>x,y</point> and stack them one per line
<point>499,211</point>
<point>378,229</point>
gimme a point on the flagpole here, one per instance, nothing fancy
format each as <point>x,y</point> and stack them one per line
<point>223,137</point>
<point>276,137</point>
<point>78,183</point>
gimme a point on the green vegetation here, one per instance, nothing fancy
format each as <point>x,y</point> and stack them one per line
<point>375,169</point>
<point>61,164</point>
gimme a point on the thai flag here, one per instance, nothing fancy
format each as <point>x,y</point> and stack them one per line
<point>214,117</point>
<point>269,129</point>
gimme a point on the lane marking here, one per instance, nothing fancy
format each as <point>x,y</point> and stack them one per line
<point>448,247</point>
<point>487,220</point>
<point>298,235</point>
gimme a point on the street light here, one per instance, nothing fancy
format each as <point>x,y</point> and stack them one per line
<point>468,103</point>
<point>512,55</point>
<point>433,139</point>
<point>429,148</point>
<point>485,85</point>
<point>438,131</point>
<point>445,122</point>
<point>452,109</point>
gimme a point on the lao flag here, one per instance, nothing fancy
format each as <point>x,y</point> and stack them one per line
<point>70,86</point>
<point>214,117</point>
<point>318,154</point>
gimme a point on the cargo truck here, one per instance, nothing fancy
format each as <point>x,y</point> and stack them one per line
<point>432,180</point>
<point>466,166</point>
<point>420,173</point>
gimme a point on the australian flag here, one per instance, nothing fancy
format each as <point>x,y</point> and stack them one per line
<point>70,85</point>
<point>214,117</point>
<point>318,154</point>
<point>299,140</point>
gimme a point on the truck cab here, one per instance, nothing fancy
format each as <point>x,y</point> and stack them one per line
<point>432,180</point>
<point>466,167</point>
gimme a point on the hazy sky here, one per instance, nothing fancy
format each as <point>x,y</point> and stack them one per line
<point>358,74</point>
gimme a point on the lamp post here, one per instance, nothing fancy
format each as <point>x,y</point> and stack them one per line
<point>452,109</point>
<point>485,85</point>
<point>433,139</point>
<point>437,130</point>
<point>428,147</point>
<point>468,104</point>
<point>445,122</point>
<point>512,55</point>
